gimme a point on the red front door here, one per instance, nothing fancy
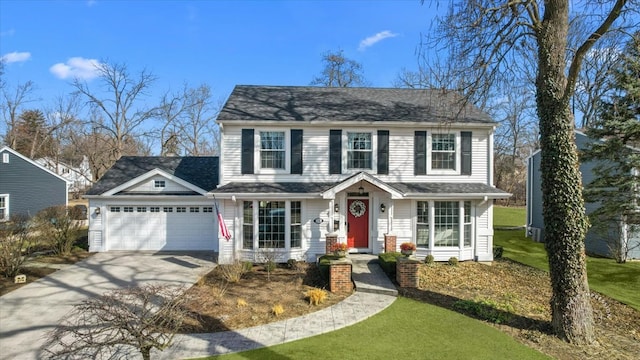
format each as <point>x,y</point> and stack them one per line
<point>358,223</point>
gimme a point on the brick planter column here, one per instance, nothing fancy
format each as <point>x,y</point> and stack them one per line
<point>331,238</point>
<point>407,272</point>
<point>340,276</point>
<point>389,243</point>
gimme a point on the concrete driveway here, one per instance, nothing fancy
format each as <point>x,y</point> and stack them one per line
<point>27,314</point>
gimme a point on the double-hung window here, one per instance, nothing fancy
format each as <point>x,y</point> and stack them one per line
<point>422,225</point>
<point>4,203</point>
<point>359,150</point>
<point>272,150</point>
<point>443,152</point>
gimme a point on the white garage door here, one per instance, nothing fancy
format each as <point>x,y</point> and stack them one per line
<point>165,227</point>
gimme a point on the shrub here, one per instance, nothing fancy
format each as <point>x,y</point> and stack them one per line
<point>429,260</point>
<point>316,296</point>
<point>323,266</point>
<point>58,227</point>
<point>247,266</point>
<point>453,261</point>
<point>232,272</point>
<point>388,262</point>
<point>15,245</point>
<point>277,310</point>
<point>485,309</point>
<point>269,266</point>
<point>497,252</point>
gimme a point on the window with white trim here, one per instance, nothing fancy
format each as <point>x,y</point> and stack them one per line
<point>443,152</point>
<point>271,224</point>
<point>207,209</point>
<point>159,184</point>
<point>4,207</point>
<point>181,209</point>
<point>154,209</point>
<point>296,224</point>
<point>194,209</point>
<point>141,209</point>
<point>467,228</point>
<point>422,225</point>
<point>128,209</point>
<point>5,158</point>
<point>114,208</point>
<point>359,150</point>
<point>167,209</point>
<point>247,225</point>
<point>272,150</point>
<point>444,224</point>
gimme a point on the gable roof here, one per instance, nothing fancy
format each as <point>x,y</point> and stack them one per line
<point>319,104</point>
<point>201,171</point>
<point>33,162</point>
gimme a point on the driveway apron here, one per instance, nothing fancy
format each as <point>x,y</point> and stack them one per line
<point>29,313</point>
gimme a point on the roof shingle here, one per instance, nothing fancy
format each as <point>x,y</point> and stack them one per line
<point>310,104</point>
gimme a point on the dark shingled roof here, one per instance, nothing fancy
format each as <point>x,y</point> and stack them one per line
<point>269,188</point>
<point>308,103</point>
<point>316,188</point>
<point>201,171</point>
<point>446,188</point>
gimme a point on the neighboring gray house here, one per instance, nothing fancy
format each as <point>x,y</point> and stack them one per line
<point>27,187</point>
<point>595,242</point>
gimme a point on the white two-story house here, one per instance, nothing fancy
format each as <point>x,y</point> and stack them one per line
<point>299,164</point>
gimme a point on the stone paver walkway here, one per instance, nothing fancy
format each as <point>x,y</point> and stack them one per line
<point>374,292</point>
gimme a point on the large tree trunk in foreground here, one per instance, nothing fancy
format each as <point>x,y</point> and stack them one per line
<point>565,223</point>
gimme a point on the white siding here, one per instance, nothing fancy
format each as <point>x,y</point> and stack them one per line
<point>402,221</point>
<point>316,156</point>
<point>316,233</point>
<point>148,186</point>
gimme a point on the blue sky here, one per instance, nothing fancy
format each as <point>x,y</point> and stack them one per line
<point>221,43</point>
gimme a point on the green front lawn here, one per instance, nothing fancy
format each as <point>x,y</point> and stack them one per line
<point>618,281</point>
<point>509,216</point>
<point>408,329</point>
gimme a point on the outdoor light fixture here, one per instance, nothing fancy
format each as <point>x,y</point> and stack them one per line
<point>336,207</point>
<point>97,211</point>
<point>382,207</point>
<point>360,190</point>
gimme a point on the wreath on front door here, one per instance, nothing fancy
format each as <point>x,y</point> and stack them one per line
<point>357,208</point>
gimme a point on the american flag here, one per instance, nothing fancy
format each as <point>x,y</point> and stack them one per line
<point>223,227</point>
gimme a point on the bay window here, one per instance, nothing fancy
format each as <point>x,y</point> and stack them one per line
<point>440,224</point>
<point>271,224</point>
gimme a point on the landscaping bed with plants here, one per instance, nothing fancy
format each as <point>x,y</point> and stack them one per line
<point>515,298</point>
<point>244,295</point>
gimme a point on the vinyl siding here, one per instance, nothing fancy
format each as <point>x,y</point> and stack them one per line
<point>316,157</point>
<point>30,187</point>
<point>148,186</point>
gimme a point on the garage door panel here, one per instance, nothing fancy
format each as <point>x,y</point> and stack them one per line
<point>159,230</point>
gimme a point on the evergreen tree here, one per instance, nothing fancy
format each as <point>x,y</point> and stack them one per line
<point>617,171</point>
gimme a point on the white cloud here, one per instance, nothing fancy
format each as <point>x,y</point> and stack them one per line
<point>16,57</point>
<point>76,68</point>
<point>371,40</point>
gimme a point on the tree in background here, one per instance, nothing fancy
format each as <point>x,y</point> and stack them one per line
<point>14,100</point>
<point>490,44</point>
<point>31,134</point>
<point>118,109</point>
<point>617,171</point>
<point>339,71</point>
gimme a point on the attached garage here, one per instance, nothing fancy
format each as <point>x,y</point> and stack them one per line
<point>155,204</point>
<point>166,227</point>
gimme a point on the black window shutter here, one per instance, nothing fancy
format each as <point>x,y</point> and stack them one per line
<point>335,151</point>
<point>465,139</point>
<point>296,151</point>
<point>383,152</point>
<point>247,151</point>
<point>420,153</point>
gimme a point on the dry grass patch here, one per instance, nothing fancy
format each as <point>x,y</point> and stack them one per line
<point>515,298</point>
<point>251,300</point>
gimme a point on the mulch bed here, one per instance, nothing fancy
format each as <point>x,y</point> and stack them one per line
<point>521,296</point>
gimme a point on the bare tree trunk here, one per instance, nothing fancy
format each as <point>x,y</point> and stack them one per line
<point>564,213</point>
